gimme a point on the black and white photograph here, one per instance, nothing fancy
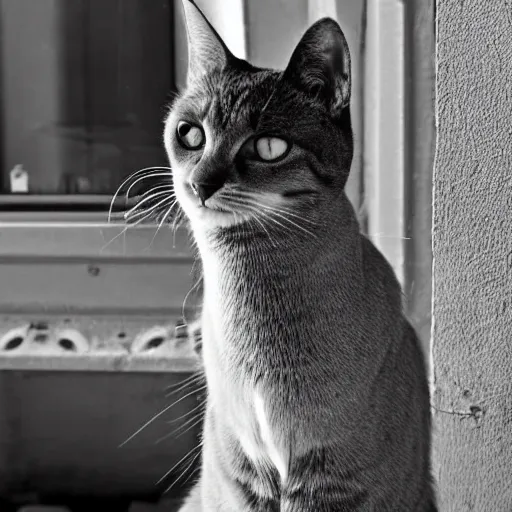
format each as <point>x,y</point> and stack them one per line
<point>256,256</point>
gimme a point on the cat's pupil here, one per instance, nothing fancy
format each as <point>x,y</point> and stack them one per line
<point>190,136</point>
<point>183,129</point>
<point>271,148</point>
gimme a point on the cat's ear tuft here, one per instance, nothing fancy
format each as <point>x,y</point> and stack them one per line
<point>320,65</point>
<point>206,50</point>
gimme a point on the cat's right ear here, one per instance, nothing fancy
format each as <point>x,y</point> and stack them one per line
<point>320,65</point>
<point>206,49</point>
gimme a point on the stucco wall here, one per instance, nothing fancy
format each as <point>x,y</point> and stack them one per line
<point>472,243</point>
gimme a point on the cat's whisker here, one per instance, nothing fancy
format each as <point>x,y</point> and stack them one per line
<point>183,416</point>
<point>147,170</point>
<point>194,419</point>
<point>150,175</point>
<point>118,191</point>
<point>260,222</point>
<point>187,381</point>
<point>151,209</point>
<point>183,472</point>
<point>199,420</point>
<point>123,232</point>
<point>192,474</point>
<point>200,377</point>
<point>154,195</point>
<point>264,214</point>
<point>197,283</point>
<point>275,221</point>
<point>178,220</point>
<point>276,212</point>
<point>168,187</point>
<point>165,216</point>
<point>185,386</point>
<point>252,212</point>
<point>184,458</point>
<point>158,415</point>
<point>280,209</point>
<point>291,222</point>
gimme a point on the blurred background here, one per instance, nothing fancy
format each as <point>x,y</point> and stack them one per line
<point>91,313</point>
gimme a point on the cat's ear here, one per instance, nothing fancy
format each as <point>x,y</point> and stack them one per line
<point>320,65</point>
<point>206,50</point>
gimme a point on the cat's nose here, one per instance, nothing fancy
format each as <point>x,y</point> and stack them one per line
<point>205,190</point>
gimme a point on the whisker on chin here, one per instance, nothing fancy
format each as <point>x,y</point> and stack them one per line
<point>270,213</point>
<point>262,224</point>
<point>252,212</point>
<point>275,221</point>
<point>280,209</point>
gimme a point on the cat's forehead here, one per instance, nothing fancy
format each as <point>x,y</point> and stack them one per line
<point>233,97</point>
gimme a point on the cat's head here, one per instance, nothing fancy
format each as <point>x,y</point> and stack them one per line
<point>258,148</point>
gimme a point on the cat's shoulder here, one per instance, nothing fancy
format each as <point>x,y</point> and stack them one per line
<point>376,266</point>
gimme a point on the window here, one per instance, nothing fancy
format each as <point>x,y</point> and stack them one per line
<point>84,86</point>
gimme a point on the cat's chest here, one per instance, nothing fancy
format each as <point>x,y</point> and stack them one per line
<point>247,413</point>
<point>264,442</point>
<point>231,356</point>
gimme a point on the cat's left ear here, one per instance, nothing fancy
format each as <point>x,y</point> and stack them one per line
<point>320,65</point>
<point>206,50</point>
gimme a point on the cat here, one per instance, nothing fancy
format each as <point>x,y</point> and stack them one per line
<point>318,396</point>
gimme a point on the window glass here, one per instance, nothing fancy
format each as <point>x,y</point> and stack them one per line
<point>84,84</point>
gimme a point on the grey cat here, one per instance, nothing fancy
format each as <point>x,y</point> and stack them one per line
<point>317,388</point>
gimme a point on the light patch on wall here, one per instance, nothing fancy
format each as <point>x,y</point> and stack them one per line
<point>227,16</point>
<point>228,19</point>
<point>318,9</point>
<point>384,129</point>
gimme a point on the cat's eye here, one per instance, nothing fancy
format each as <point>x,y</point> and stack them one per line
<point>271,148</point>
<point>189,135</point>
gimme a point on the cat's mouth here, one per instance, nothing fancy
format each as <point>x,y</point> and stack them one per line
<point>215,213</point>
<point>215,208</point>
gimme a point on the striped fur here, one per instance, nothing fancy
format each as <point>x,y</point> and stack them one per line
<point>317,388</point>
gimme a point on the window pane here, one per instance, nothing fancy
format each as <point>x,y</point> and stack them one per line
<point>84,84</point>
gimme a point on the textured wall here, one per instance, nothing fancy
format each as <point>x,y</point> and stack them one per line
<point>472,241</point>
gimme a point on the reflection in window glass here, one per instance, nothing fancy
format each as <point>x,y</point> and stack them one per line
<point>84,84</point>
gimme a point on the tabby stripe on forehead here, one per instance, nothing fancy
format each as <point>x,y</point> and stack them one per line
<point>233,108</point>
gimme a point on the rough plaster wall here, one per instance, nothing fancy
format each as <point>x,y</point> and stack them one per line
<point>472,243</point>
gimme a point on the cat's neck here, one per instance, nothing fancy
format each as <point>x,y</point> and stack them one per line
<point>312,287</point>
<point>285,258</point>
<point>316,314</point>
